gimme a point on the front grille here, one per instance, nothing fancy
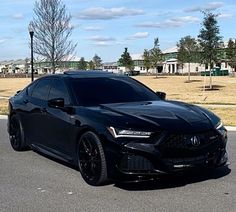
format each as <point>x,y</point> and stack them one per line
<point>135,163</point>
<point>184,141</point>
<point>184,144</point>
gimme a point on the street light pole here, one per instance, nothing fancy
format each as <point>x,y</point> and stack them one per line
<point>31,32</point>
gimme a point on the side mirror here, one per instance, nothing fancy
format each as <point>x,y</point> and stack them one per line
<point>161,95</point>
<point>56,103</point>
<point>17,92</point>
<point>59,103</point>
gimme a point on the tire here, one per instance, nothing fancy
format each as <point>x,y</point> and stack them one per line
<point>16,134</point>
<point>91,159</point>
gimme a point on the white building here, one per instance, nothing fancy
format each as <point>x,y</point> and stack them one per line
<point>171,64</point>
<point>12,66</point>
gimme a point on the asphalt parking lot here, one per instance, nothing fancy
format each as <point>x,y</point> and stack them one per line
<point>32,182</point>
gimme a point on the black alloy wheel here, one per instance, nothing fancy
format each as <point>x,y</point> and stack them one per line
<point>17,134</point>
<point>91,159</point>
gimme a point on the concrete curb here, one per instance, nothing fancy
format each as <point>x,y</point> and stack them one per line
<point>3,97</point>
<point>3,117</point>
<point>216,106</point>
<point>229,128</point>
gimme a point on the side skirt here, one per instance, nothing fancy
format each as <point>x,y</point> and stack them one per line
<point>52,153</point>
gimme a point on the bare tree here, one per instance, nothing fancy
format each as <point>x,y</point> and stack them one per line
<point>52,31</point>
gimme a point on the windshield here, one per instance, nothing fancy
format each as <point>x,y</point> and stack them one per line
<point>105,90</point>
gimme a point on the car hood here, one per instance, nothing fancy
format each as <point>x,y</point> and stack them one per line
<point>169,115</point>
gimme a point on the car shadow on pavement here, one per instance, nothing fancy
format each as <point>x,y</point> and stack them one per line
<point>176,180</point>
<point>157,183</point>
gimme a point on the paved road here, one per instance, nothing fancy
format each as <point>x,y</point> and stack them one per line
<point>32,182</point>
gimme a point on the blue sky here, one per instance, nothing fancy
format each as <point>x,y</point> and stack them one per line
<point>105,27</point>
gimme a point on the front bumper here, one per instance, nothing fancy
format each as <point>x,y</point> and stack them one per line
<point>146,159</point>
<point>138,164</point>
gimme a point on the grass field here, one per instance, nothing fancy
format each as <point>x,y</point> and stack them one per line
<point>8,87</point>
<point>176,87</point>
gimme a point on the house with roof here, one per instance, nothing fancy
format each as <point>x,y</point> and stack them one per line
<point>12,66</point>
<point>170,64</point>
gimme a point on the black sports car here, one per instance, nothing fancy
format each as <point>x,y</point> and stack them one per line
<point>112,126</point>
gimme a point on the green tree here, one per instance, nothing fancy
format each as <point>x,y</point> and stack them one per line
<point>82,65</point>
<point>97,61</point>
<point>156,54</point>
<point>52,31</point>
<point>231,53</point>
<point>209,39</point>
<point>147,59</point>
<point>126,60</point>
<point>188,51</point>
<point>91,65</point>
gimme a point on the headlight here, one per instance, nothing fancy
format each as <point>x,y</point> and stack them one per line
<point>220,128</point>
<point>219,125</point>
<point>117,133</point>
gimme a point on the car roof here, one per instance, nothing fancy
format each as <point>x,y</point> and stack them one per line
<point>90,73</point>
<point>83,74</point>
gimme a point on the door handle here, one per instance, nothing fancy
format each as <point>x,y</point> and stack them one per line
<point>43,110</point>
<point>26,101</point>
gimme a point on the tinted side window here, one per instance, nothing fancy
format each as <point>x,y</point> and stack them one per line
<point>41,90</point>
<point>31,88</point>
<point>58,90</point>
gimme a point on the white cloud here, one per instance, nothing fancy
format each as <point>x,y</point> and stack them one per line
<point>102,13</point>
<point>138,35</point>
<point>149,25</point>
<point>214,5</point>
<point>121,42</point>
<point>193,9</point>
<point>209,6</point>
<point>225,15</point>
<point>17,16</point>
<point>180,21</point>
<point>2,41</point>
<point>186,19</point>
<point>170,23</point>
<point>101,39</point>
<point>73,25</point>
<point>102,43</point>
<point>93,28</point>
